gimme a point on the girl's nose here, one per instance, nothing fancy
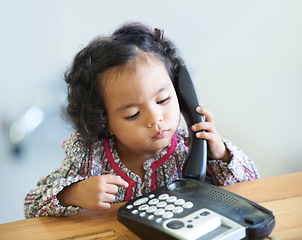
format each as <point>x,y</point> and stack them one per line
<point>154,119</point>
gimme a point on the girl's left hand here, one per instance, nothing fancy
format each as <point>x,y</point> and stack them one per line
<point>216,148</point>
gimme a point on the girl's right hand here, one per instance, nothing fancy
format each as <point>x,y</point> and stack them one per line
<point>94,193</point>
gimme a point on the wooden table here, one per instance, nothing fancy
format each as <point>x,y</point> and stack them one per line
<point>281,194</point>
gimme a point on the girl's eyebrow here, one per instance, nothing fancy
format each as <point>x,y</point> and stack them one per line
<point>126,106</point>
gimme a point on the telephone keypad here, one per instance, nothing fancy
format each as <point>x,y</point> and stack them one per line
<point>158,208</point>
<point>165,209</point>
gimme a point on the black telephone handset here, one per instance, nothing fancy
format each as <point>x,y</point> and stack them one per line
<point>196,163</point>
<point>188,208</point>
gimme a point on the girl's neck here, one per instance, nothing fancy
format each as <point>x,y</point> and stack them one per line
<point>133,160</point>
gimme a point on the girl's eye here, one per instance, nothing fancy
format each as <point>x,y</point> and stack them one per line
<point>132,116</point>
<point>164,100</point>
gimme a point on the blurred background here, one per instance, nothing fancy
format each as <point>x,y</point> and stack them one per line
<point>245,58</point>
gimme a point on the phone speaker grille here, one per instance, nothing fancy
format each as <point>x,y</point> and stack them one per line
<point>218,200</point>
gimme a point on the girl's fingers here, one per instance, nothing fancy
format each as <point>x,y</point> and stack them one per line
<point>103,206</point>
<point>111,189</point>
<point>106,201</point>
<point>108,198</point>
<point>205,135</point>
<point>206,126</point>
<point>116,180</point>
<point>207,113</point>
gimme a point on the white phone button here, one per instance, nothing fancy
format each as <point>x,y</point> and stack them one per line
<point>163,196</point>
<point>188,205</point>
<point>167,215</point>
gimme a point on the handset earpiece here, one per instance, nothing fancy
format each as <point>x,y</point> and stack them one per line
<point>196,163</point>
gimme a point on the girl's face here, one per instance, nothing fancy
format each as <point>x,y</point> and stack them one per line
<point>142,107</point>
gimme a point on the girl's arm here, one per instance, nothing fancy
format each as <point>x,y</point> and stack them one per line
<point>241,168</point>
<point>42,200</point>
<point>94,193</point>
<point>227,164</point>
<point>72,187</point>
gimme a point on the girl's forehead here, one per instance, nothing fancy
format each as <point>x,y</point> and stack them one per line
<point>113,74</point>
<point>135,79</point>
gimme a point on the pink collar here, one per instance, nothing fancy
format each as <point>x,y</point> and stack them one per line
<point>154,166</point>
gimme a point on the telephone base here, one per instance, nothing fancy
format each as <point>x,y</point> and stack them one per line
<point>191,209</point>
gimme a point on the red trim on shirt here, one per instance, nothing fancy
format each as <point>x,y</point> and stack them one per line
<point>119,171</point>
<point>161,161</point>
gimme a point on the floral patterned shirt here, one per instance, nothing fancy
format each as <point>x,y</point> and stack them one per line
<point>83,161</point>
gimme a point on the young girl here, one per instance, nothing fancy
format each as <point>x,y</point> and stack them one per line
<point>127,142</point>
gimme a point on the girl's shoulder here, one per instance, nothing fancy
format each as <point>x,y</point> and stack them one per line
<point>75,144</point>
<point>182,132</point>
<point>182,135</point>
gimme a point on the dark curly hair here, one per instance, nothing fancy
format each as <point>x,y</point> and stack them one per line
<point>86,108</point>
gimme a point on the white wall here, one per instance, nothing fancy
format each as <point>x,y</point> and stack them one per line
<point>245,58</point>
<point>251,78</point>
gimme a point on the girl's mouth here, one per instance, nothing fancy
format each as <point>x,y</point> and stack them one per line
<point>160,134</point>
